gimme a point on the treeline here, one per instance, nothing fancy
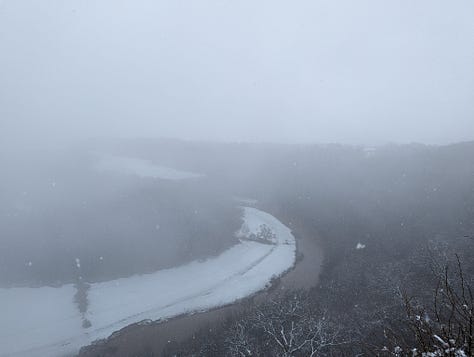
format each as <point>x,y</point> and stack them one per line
<point>435,319</point>
<point>410,210</point>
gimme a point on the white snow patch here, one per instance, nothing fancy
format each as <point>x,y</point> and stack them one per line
<point>46,322</point>
<point>245,201</point>
<point>142,168</point>
<point>360,246</point>
<point>369,151</point>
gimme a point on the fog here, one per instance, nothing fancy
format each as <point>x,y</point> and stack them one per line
<point>182,178</point>
<point>365,72</point>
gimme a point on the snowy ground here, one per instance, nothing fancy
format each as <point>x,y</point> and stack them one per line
<point>142,168</point>
<point>245,201</point>
<point>46,322</point>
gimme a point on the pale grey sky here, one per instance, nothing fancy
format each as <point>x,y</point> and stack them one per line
<point>366,71</point>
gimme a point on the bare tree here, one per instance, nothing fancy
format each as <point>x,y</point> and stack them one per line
<point>264,235</point>
<point>80,298</point>
<point>286,326</point>
<point>446,327</point>
<point>240,343</point>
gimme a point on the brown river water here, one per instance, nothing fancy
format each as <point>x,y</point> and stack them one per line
<point>149,339</point>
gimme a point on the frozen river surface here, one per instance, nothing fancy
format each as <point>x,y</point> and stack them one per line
<point>46,321</point>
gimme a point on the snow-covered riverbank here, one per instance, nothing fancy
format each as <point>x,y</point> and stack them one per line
<point>142,168</point>
<point>45,321</point>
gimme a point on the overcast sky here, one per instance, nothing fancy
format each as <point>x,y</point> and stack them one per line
<point>243,70</point>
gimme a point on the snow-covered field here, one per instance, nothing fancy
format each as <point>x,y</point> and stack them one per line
<point>46,322</point>
<point>142,168</point>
